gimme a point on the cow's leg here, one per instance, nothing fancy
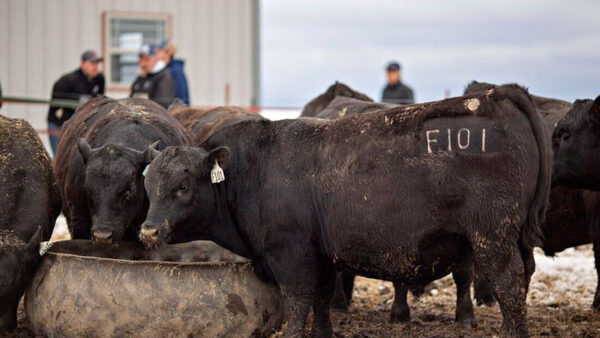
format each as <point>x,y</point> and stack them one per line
<point>297,306</point>
<point>400,310</point>
<point>297,271</point>
<point>321,306</point>
<point>484,295</point>
<point>348,284</point>
<point>596,243</point>
<point>463,276</point>
<point>502,265</point>
<point>340,300</point>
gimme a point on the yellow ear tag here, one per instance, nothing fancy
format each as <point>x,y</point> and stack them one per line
<point>216,174</point>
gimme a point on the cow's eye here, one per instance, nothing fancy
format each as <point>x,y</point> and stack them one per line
<point>128,193</point>
<point>565,135</point>
<point>183,187</point>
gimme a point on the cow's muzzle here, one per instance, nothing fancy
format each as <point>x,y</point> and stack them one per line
<point>103,236</point>
<point>149,235</point>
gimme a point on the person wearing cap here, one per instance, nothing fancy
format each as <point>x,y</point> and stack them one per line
<point>166,51</point>
<point>396,91</point>
<point>80,85</point>
<point>155,81</point>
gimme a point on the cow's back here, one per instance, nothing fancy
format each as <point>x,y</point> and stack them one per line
<point>204,125</point>
<point>343,106</point>
<point>316,105</point>
<point>186,115</point>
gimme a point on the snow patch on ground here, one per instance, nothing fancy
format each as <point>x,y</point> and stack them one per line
<point>61,231</point>
<point>567,279</point>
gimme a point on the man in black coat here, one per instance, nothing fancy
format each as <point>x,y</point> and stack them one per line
<point>155,81</point>
<point>80,85</point>
<point>395,91</point>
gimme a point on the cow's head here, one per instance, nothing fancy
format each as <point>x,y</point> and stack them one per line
<point>114,184</point>
<point>18,261</point>
<point>181,193</point>
<point>576,146</point>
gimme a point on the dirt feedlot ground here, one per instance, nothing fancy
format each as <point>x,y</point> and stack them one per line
<point>559,300</point>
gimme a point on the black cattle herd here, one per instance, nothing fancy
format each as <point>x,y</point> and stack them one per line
<point>467,185</point>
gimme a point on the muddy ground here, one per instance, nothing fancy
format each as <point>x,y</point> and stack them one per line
<point>559,300</point>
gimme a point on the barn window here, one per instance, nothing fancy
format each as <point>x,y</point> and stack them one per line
<point>124,34</point>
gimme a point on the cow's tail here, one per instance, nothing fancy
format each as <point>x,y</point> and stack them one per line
<point>531,233</point>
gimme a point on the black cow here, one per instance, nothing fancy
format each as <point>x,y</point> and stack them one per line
<point>573,215</point>
<point>318,104</point>
<point>340,107</point>
<point>576,148</point>
<point>29,205</point>
<point>384,195</point>
<point>101,156</point>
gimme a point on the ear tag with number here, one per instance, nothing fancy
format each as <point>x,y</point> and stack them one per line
<point>44,247</point>
<point>216,174</point>
<point>145,170</point>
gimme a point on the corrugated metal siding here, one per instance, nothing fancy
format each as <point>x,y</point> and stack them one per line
<point>42,39</point>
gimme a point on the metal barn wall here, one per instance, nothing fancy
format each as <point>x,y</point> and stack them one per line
<point>42,39</point>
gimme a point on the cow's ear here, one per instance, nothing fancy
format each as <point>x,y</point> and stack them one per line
<point>84,149</point>
<point>216,161</point>
<point>151,152</point>
<point>220,155</point>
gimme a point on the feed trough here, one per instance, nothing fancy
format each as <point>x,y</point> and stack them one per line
<point>90,295</point>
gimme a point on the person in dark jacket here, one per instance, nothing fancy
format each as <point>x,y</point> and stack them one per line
<point>396,91</point>
<point>80,85</point>
<point>166,51</point>
<point>155,81</point>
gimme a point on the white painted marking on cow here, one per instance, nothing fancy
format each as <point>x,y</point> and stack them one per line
<point>449,140</point>
<point>472,104</point>
<point>430,141</point>
<point>216,174</point>
<point>459,138</point>
<point>483,140</point>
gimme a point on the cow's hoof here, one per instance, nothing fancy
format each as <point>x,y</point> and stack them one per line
<point>400,317</point>
<point>468,323</point>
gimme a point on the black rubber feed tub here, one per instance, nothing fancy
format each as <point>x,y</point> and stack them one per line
<point>85,296</point>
